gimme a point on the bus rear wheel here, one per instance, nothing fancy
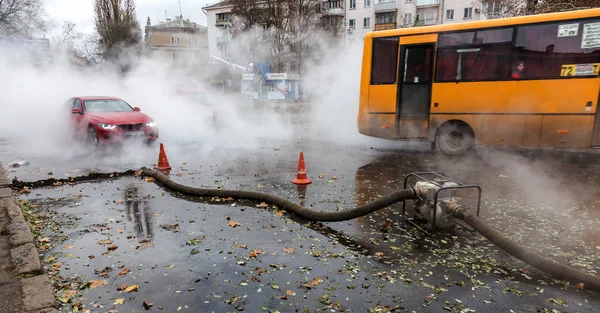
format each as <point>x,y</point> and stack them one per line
<point>455,139</point>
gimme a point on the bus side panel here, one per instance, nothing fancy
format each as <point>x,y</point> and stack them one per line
<point>383,98</point>
<point>378,125</point>
<point>533,129</point>
<point>567,131</point>
<point>502,130</point>
<point>365,82</point>
<point>540,96</point>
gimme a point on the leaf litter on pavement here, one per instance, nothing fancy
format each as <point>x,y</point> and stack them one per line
<point>334,272</point>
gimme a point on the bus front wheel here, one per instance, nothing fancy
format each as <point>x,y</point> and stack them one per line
<point>455,139</point>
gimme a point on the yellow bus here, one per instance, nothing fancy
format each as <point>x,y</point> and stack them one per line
<point>522,81</point>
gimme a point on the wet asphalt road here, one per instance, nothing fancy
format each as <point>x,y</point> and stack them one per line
<point>185,254</point>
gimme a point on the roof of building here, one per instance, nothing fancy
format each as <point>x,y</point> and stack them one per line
<point>178,22</point>
<point>220,4</point>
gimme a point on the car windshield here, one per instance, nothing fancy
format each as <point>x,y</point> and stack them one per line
<point>107,105</point>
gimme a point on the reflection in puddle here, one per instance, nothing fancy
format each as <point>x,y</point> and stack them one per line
<point>138,212</point>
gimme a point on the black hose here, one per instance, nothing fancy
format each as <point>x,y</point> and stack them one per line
<point>546,265</point>
<point>285,204</point>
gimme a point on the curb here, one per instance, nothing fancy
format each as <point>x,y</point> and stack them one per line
<point>37,291</point>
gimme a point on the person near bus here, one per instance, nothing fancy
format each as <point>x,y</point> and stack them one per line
<point>518,71</point>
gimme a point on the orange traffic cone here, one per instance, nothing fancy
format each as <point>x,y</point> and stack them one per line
<point>301,178</point>
<point>163,162</point>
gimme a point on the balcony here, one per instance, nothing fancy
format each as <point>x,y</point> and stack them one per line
<point>386,6</point>
<point>333,8</point>
<point>334,12</point>
<point>433,21</point>
<point>223,23</point>
<point>427,3</point>
<point>385,26</point>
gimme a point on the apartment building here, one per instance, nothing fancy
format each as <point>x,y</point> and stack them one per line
<point>360,19</point>
<point>179,40</point>
<point>219,19</point>
<point>391,14</point>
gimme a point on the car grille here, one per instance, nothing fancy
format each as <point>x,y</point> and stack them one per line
<point>132,127</point>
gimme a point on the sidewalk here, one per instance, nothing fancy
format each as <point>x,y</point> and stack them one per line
<point>19,258</point>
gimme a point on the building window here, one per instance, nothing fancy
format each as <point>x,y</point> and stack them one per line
<point>176,56</point>
<point>450,14</point>
<point>385,18</point>
<point>408,19</point>
<point>223,17</point>
<point>428,16</point>
<point>468,13</point>
<point>352,4</point>
<point>384,61</point>
<point>333,4</point>
<point>175,41</point>
<point>193,42</point>
<point>352,23</point>
<point>367,3</point>
<point>367,22</point>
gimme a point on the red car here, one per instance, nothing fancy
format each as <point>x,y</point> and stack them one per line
<point>106,120</point>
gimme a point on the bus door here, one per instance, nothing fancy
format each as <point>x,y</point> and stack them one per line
<point>414,90</point>
<point>596,129</point>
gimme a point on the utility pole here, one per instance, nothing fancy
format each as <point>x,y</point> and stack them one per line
<point>180,12</point>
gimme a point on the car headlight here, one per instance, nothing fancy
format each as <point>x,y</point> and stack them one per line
<point>151,124</point>
<point>107,126</point>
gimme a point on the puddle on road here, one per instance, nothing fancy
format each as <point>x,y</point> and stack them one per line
<point>223,255</point>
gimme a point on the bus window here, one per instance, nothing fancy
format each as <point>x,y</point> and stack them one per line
<point>385,60</point>
<point>474,55</point>
<point>544,50</point>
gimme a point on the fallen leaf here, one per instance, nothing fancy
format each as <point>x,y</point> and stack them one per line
<point>144,246</point>
<point>132,288</point>
<point>149,179</point>
<point>105,242</point>
<point>97,283</point>
<point>106,252</point>
<point>255,252</point>
<point>58,183</point>
<point>125,271</point>
<point>91,256</point>
<point>147,305</point>
<point>171,266</point>
<point>171,227</point>
<point>137,173</point>
<point>179,174</point>
<point>321,175</point>
<point>290,292</point>
<point>119,301</point>
<point>259,186</point>
<point>279,213</point>
<point>122,287</point>
<point>242,246</point>
<point>120,230</point>
<point>118,201</point>
<point>68,247</point>
<point>379,254</point>
<point>289,250</point>
<point>112,248</point>
<point>233,224</point>
<point>262,205</point>
<point>313,283</point>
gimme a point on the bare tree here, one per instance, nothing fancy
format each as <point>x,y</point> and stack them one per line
<point>508,8</point>
<point>117,27</point>
<point>22,17</point>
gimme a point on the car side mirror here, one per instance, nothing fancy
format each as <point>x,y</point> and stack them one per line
<point>136,109</point>
<point>76,111</point>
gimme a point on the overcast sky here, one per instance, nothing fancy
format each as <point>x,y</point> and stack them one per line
<point>81,12</point>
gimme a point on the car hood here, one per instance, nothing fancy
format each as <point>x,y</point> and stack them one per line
<point>117,118</point>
